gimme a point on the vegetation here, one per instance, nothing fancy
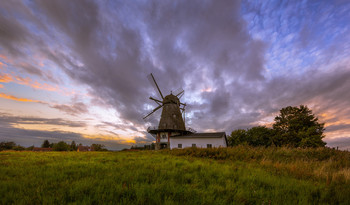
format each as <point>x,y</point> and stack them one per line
<point>98,147</point>
<point>73,146</point>
<point>145,147</point>
<point>242,174</point>
<point>293,127</point>
<point>298,127</point>
<point>46,144</point>
<point>10,146</point>
<point>60,146</point>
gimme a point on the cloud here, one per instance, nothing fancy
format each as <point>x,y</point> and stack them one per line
<point>12,34</point>
<point>8,120</point>
<point>114,57</point>
<point>256,57</point>
<point>7,78</point>
<point>74,109</point>
<point>36,137</point>
<point>342,143</point>
<point>30,69</point>
<point>11,97</point>
<point>28,137</point>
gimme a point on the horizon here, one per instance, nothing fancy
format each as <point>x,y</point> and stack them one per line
<point>77,71</point>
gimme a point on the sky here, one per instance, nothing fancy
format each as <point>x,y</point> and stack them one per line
<point>77,70</point>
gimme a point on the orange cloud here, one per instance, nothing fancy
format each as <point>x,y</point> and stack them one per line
<point>1,85</point>
<point>11,97</point>
<point>35,84</point>
<point>6,78</point>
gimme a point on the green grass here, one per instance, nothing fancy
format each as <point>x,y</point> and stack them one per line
<point>170,177</point>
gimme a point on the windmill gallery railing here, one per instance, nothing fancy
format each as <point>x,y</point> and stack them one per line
<point>156,128</point>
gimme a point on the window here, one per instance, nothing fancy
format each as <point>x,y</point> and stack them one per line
<point>193,145</point>
<point>163,136</point>
<point>179,146</point>
<point>209,146</point>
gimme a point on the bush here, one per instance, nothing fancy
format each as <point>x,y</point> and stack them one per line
<point>7,145</point>
<point>98,147</point>
<point>61,146</point>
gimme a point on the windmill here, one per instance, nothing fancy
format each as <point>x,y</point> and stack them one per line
<point>171,121</point>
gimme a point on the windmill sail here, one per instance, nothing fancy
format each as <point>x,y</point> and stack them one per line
<point>153,82</point>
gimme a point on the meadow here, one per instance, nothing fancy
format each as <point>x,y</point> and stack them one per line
<point>239,175</point>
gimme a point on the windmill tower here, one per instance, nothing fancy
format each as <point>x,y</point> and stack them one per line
<point>171,122</point>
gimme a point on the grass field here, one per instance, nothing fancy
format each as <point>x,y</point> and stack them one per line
<point>240,175</point>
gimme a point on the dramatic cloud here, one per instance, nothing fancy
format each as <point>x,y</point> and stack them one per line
<point>74,109</point>
<point>8,120</point>
<point>28,137</point>
<point>238,62</point>
<point>7,78</point>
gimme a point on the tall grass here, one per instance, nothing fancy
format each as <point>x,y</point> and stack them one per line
<point>150,177</point>
<point>320,163</point>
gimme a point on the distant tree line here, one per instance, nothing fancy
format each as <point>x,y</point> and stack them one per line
<point>11,146</point>
<point>145,147</point>
<point>63,146</point>
<point>59,146</point>
<point>293,127</point>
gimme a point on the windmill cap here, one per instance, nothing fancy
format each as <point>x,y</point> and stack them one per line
<point>171,99</point>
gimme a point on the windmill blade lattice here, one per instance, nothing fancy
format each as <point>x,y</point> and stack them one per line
<point>157,108</point>
<point>153,82</point>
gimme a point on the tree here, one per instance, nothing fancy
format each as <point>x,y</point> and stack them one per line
<point>73,146</point>
<point>7,145</point>
<point>18,148</point>
<point>98,147</point>
<point>46,144</point>
<point>298,127</point>
<point>61,146</point>
<point>255,136</point>
<point>259,136</point>
<point>237,137</point>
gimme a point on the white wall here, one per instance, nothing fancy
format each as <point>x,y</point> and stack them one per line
<point>200,142</point>
<point>164,139</point>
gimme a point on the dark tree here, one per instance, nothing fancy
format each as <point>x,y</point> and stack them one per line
<point>46,144</point>
<point>259,136</point>
<point>98,147</point>
<point>255,136</point>
<point>18,148</point>
<point>298,127</point>
<point>237,137</point>
<point>73,146</point>
<point>61,146</point>
<point>7,145</point>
